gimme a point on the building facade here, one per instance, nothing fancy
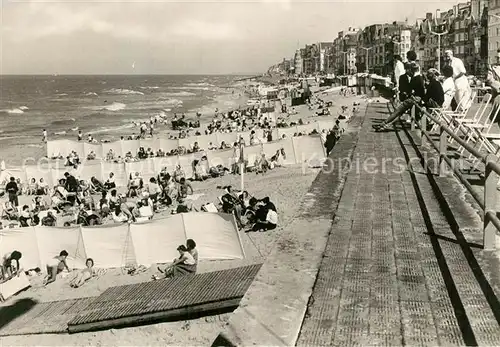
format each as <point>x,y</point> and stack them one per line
<point>344,51</point>
<point>493,30</point>
<point>324,54</point>
<point>479,32</point>
<point>298,62</point>
<point>470,29</point>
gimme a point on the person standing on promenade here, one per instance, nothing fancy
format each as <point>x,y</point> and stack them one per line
<point>399,70</point>
<point>404,85</point>
<point>44,136</point>
<point>448,87</point>
<point>462,88</point>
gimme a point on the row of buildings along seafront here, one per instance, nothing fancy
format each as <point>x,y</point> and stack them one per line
<point>471,30</point>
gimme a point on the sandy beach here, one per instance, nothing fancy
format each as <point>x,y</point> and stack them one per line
<point>285,187</point>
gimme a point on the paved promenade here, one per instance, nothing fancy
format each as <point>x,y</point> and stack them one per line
<point>397,269</point>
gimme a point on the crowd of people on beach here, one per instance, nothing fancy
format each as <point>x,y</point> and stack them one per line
<point>73,201</point>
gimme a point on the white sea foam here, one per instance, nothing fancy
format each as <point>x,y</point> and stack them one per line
<point>60,133</point>
<point>150,87</point>
<point>35,146</point>
<point>192,88</point>
<point>14,111</point>
<point>179,94</point>
<point>171,102</point>
<point>62,94</point>
<point>91,94</point>
<point>74,129</point>
<point>13,137</point>
<point>111,129</point>
<point>120,91</point>
<point>200,84</point>
<point>115,106</point>
<point>24,108</point>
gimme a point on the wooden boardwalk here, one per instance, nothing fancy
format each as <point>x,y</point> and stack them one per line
<point>396,270</point>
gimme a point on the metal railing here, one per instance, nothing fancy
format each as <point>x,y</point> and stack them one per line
<point>488,201</point>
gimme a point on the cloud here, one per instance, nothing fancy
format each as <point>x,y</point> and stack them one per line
<point>170,36</point>
<point>203,30</point>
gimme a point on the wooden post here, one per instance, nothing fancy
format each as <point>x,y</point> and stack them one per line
<point>423,126</point>
<point>412,116</point>
<point>490,204</point>
<point>443,149</point>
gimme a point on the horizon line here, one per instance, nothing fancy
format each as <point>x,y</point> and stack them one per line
<point>125,74</point>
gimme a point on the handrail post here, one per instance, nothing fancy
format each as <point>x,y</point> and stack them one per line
<point>412,117</point>
<point>490,204</point>
<point>443,151</point>
<point>423,127</point>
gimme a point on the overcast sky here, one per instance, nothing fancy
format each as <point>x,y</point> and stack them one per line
<point>167,37</point>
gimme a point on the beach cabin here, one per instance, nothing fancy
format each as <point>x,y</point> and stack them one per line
<point>272,94</point>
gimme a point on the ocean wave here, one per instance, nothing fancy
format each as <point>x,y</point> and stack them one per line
<point>179,94</point>
<point>115,106</point>
<point>13,111</point>
<point>91,94</point>
<point>111,129</point>
<point>120,91</point>
<point>192,88</point>
<point>24,108</point>
<point>13,137</point>
<point>171,102</point>
<point>62,94</point>
<point>203,84</point>
<point>150,87</point>
<point>60,133</point>
<point>35,146</point>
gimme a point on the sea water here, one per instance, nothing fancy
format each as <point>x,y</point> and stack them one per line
<point>105,106</point>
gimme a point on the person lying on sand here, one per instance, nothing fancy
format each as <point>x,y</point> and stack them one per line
<point>56,265</point>
<point>83,275</point>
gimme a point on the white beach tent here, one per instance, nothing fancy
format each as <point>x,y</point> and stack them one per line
<point>118,245</point>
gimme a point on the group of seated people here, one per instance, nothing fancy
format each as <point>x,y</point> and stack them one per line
<point>257,214</point>
<point>428,91</point>
<point>34,187</point>
<point>181,122</point>
<point>10,267</point>
<point>72,159</point>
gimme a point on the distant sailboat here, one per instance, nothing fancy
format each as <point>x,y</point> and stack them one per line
<point>133,65</point>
